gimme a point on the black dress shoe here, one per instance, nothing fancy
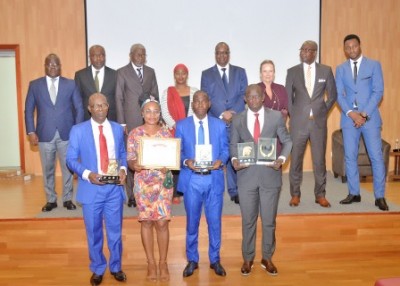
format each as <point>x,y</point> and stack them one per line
<point>218,269</point>
<point>132,203</point>
<point>69,205</point>
<point>190,268</point>
<point>381,204</point>
<point>119,276</point>
<point>96,279</point>
<point>351,199</point>
<point>48,207</point>
<point>235,199</point>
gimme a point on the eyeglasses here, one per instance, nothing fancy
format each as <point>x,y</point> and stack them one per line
<point>307,50</point>
<point>222,53</point>
<point>151,111</point>
<point>99,106</point>
<point>52,65</point>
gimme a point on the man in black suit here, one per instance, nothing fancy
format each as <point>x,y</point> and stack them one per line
<point>97,78</point>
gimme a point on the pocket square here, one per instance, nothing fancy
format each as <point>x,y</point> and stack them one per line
<point>321,80</point>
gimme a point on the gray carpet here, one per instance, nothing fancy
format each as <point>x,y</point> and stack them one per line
<point>336,191</point>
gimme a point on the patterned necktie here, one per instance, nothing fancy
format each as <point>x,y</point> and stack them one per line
<point>308,81</point>
<point>96,81</point>
<point>52,91</point>
<point>200,134</point>
<point>140,75</point>
<point>256,133</point>
<point>224,79</point>
<point>103,151</point>
<point>355,71</point>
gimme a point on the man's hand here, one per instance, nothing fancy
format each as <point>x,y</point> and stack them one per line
<point>277,164</point>
<point>94,178</point>
<point>357,118</point>
<point>122,177</point>
<point>217,164</point>
<point>33,139</point>
<point>228,115</point>
<point>237,166</point>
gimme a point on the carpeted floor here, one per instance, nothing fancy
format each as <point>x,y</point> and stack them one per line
<point>336,191</point>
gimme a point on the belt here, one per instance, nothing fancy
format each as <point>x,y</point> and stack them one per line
<point>202,173</point>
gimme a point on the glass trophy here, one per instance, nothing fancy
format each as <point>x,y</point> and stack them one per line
<point>203,155</point>
<point>266,152</point>
<point>246,153</point>
<point>112,175</point>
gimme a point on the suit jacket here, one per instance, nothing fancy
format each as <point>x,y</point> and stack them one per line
<point>61,116</point>
<point>185,130</point>
<point>85,81</point>
<point>368,90</point>
<point>300,103</point>
<point>129,90</point>
<point>274,127</point>
<point>81,156</point>
<point>222,100</point>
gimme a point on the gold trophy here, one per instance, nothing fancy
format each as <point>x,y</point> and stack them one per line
<point>112,176</point>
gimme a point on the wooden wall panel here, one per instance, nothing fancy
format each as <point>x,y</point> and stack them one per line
<point>41,27</point>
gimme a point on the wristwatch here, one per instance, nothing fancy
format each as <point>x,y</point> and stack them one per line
<point>364,115</point>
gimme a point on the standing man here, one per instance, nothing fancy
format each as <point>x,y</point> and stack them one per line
<point>136,82</point>
<point>306,85</point>
<point>97,78</point>
<point>359,82</point>
<point>259,186</point>
<point>202,186</point>
<point>91,145</point>
<point>58,106</point>
<point>225,84</point>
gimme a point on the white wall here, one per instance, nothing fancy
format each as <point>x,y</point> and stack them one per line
<point>186,31</point>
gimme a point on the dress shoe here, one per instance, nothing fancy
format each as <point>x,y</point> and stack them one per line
<point>119,276</point>
<point>69,205</point>
<point>322,202</point>
<point>132,203</point>
<point>381,204</point>
<point>295,201</point>
<point>218,269</point>
<point>96,279</point>
<point>235,199</point>
<point>48,207</point>
<point>351,199</point>
<point>269,267</point>
<point>190,268</point>
<point>246,268</point>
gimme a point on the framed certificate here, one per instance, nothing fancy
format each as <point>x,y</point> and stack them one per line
<point>266,152</point>
<point>246,153</point>
<point>157,153</point>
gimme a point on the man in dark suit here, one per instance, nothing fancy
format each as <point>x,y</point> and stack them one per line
<point>225,84</point>
<point>201,185</point>
<point>306,85</point>
<point>359,82</point>
<point>97,78</point>
<point>58,106</point>
<point>136,82</point>
<point>259,185</point>
<point>99,201</point>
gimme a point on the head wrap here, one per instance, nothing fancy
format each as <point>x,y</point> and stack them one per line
<point>181,66</point>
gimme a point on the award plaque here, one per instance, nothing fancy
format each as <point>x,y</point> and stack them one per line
<point>157,153</point>
<point>112,175</point>
<point>266,152</point>
<point>246,153</point>
<point>203,155</point>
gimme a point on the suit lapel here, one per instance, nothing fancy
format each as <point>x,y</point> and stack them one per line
<point>46,93</point>
<point>247,134</point>
<point>218,78</point>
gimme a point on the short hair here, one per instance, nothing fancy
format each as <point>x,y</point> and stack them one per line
<point>255,87</point>
<point>264,62</point>
<point>96,47</point>
<point>312,43</point>
<point>351,37</point>
<point>221,44</point>
<point>137,47</point>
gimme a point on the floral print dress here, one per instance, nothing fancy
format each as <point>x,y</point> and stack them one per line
<point>152,198</point>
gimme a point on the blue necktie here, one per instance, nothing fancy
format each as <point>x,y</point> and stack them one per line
<point>224,79</point>
<point>200,134</point>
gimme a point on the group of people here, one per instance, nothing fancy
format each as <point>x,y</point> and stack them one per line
<point>124,105</point>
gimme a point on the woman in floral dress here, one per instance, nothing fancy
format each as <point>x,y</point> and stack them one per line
<point>152,198</point>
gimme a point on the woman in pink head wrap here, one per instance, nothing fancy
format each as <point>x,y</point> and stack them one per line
<point>176,104</point>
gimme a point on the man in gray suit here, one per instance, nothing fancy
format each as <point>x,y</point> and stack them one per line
<point>136,82</point>
<point>258,185</point>
<point>97,78</point>
<point>306,85</point>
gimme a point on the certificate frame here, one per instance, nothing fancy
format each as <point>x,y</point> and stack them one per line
<point>157,153</point>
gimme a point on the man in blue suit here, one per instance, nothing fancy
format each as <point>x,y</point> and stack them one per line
<point>226,85</point>
<point>359,83</point>
<point>201,185</point>
<point>99,201</point>
<point>58,106</point>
